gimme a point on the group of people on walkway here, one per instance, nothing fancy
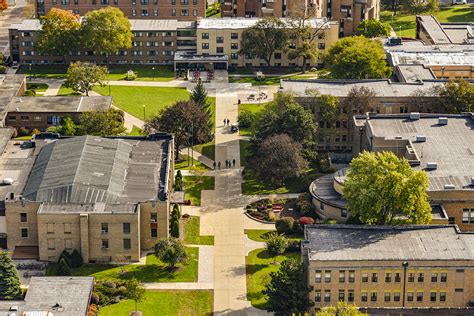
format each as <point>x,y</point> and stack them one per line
<point>228,164</point>
<point>226,122</point>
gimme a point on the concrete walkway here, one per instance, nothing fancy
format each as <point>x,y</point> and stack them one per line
<point>208,162</point>
<point>53,87</point>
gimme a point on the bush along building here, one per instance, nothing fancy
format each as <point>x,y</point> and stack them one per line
<point>207,43</point>
<point>108,198</point>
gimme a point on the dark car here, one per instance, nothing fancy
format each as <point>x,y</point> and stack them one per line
<point>234,128</point>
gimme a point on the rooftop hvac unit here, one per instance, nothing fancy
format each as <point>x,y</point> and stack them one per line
<point>448,186</point>
<point>432,165</point>
<point>442,121</point>
<point>414,116</point>
<point>420,138</point>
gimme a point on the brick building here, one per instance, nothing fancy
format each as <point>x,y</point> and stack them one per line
<point>405,268</point>
<point>105,197</point>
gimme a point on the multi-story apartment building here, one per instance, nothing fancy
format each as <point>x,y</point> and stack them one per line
<point>349,13</point>
<point>184,10</point>
<point>105,197</point>
<point>403,268</point>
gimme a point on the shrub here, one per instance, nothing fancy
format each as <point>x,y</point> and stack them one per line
<point>63,267</point>
<point>304,203</point>
<point>35,131</point>
<point>14,133</point>
<point>76,259</point>
<point>294,245</point>
<point>29,93</point>
<point>110,284</point>
<point>285,225</point>
<point>24,131</point>
<point>3,69</point>
<point>94,298</point>
<point>66,256</point>
<point>306,220</point>
<point>103,299</point>
<point>246,118</point>
<point>131,76</point>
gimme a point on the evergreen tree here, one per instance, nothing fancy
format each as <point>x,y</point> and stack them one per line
<point>9,281</point>
<point>199,96</point>
<point>174,224</point>
<point>176,207</point>
<point>63,267</point>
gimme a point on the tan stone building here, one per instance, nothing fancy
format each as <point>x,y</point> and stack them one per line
<point>105,197</point>
<point>406,268</point>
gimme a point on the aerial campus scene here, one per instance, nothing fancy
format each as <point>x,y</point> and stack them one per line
<point>236,157</point>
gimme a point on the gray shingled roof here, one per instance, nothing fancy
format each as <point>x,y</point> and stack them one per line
<point>357,242</point>
<point>90,169</point>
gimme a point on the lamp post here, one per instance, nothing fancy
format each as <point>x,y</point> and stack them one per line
<point>405,265</point>
<point>144,112</point>
<point>153,70</point>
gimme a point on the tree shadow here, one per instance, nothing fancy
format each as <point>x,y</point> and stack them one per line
<point>254,268</point>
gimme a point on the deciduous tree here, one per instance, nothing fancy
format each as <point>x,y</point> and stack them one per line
<point>287,291</point>
<point>106,31</point>
<point>422,6</point>
<point>264,38</point>
<point>9,280</point>
<point>60,33</point>
<point>373,28</point>
<point>109,123</point>
<point>326,105</point>
<point>357,57</point>
<point>359,100</point>
<point>171,251</point>
<point>276,244</point>
<point>279,158</point>
<point>382,189</point>
<point>82,77</point>
<point>457,96</point>
<point>342,309</point>
<point>135,291</point>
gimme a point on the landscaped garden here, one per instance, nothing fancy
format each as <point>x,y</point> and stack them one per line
<point>38,88</point>
<point>271,209</point>
<point>153,271</point>
<point>259,264</point>
<point>194,185</point>
<point>404,24</point>
<point>191,232</point>
<point>169,302</point>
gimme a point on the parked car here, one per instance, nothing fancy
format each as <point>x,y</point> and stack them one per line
<point>234,128</point>
<point>459,1</point>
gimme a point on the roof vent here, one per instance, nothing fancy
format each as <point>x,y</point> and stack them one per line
<point>420,138</point>
<point>442,121</point>
<point>449,186</point>
<point>432,165</point>
<point>398,137</point>
<point>414,116</point>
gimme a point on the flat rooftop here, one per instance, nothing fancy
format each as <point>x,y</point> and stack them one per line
<point>9,87</point>
<point>445,33</point>
<point>451,146</point>
<point>414,73</point>
<point>243,23</point>
<point>340,88</point>
<point>358,242</point>
<point>91,169</point>
<point>432,58</point>
<point>59,104</point>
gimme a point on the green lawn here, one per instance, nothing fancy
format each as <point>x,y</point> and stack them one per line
<point>259,265</point>
<point>191,232</point>
<point>261,234</point>
<point>194,187</point>
<point>39,88</point>
<point>271,80</point>
<point>457,13</point>
<point>131,99</point>
<point>254,108</point>
<point>136,131</point>
<point>153,271</point>
<point>183,164</point>
<point>65,91</point>
<point>116,72</point>
<point>207,149</point>
<point>251,185</point>
<point>169,302</point>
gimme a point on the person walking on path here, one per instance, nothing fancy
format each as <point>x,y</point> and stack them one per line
<point>214,165</point>
<point>219,165</point>
<point>233,162</point>
<point>225,121</point>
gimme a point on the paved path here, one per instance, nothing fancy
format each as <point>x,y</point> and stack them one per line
<point>208,162</point>
<point>53,87</point>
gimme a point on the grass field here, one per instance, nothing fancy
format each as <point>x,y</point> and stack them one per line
<point>191,232</point>
<point>131,99</point>
<point>404,24</point>
<point>254,108</point>
<point>259,265</point>
<point>153,271</point>
<point>194,187</point>
<point>169,302</point>
<point>207,149</point>
<point>251,185</point>
<point>182,164</point>
<point>65,91</point>
<point>136,131</point>
<point>261,234</point>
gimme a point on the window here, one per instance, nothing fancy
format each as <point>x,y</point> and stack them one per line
<point>153,217</point>
<point>12,117</point>
<point>327,276</point>
<point>205,45</point>
<point>195,12</point>
<point>51,244</point>
<point>365,277</point>
<point>434,277</point>
<point>24,232</point>
<point>220,50</point>
<point>410,296</point>
<point>234,46</point>
<point>468,216</point>
<point>184,2</point>
<point>50,228</point>
<point>350,296</point>
<point>105,244</point>
<point>68,244</point>
<point>351,276</point>
<point>386,297</point>
<point>444,277</point>
<point>411,277</point>
<point>127,244</point>
<point>277,55</point>
<point>155,12</point>
<point>388,277</point>
<point>321,45</point>
<point>234,56</point>
<point>104,228</point>
<point>76,2</point>
<point>460,290</point>
<point>442,296</point>
<point>67,228</point>
<point>421,277</point>
<point>173,12</point>
<point>104,2</point>
<point>397,277</point>
<point>126,228</point>
<point>317,296</point>
<point>24,117</point>
<point>419,296</point>
<point>327,295</point>
<point>375,277</point>
<point>234,35</point>
<point>23,217</point>
<point>363,296</point>
<point>396,296</point>
<point>184,12</point>
<point>373,297</point>
<point>433,297</point>
<point>219,40</point>
<point>205,35</point>
<point>343,213</point>
<point>342,276</point>
<point>154,233</point>
<point>318,276</point>
<point>341,296</point>
<point>144,12</point>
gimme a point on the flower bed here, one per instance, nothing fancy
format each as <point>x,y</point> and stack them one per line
<point>268,210</point>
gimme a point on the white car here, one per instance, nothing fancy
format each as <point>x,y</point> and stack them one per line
<point>459,1</point>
